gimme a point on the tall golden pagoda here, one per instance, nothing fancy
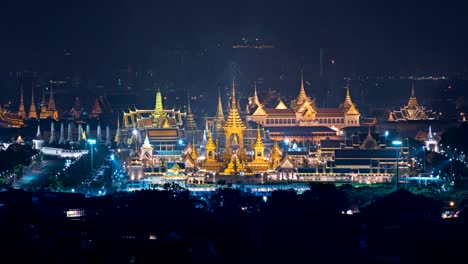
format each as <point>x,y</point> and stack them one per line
<point>234,127</point>
<point>44,114</point>
<point>22,111</point>
<point>259,163</point>
<point>191,124</point>
<point>32,109</point>
<point>52,109</point>
<point>219,116</point>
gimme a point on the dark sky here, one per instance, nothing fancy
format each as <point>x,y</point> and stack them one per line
<point>364,36</point>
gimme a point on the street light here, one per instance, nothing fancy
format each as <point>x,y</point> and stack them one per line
<point>398,144</point>
<point>92,142</point>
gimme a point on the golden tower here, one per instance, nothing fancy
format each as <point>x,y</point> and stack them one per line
<point>259,163</point>
<point>211,163</point>
<point>52,109</point>
<point>44,114</point>
<point>22,111</point>
<point>234,127</point>
<point>32,109</point>
<point>275,155</point>
<point>219,116</point>
<point>194,154</point>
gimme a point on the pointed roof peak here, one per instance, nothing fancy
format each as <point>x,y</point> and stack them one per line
<point>233,99</point>
<point>413,102</point>
<point>256,100</point>
<point>348,102</point>
<point>189,108</point>
<point>302,97</point>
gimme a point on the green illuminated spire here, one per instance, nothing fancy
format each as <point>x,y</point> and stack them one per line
<point>158,109</point>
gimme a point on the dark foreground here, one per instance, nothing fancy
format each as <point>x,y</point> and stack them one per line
<point>228,227</point>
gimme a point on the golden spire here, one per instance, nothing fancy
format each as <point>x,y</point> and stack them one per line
<point>22,111</point>
<point>191,125</point>
<point>219,110</point>
<point>256,101</point>
<point>234,119</point>
<point>194,154</point>
<point>233,99</point>
<point>52,107</point>
<point>146,143</point>
<point>348,102</point>
<point>44,114</point>
<point>302,94</point>
<point>413,102</point>
<point>259,142</point>
<point>32,109</point>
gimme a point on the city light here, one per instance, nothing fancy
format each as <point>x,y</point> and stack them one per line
<point>112,156</point>
<point>91,141</point>
<point>386,133</point>
<point>397,142</point>
<point>135,132</point>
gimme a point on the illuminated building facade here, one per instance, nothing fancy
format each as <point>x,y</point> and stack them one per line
<point>304,112</point>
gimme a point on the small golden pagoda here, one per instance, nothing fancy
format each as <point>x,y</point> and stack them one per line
<point>259,162</point>
<point>211,163</point>
<point>275,155</point>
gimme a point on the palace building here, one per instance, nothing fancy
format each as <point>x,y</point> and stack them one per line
<point>303,112</point>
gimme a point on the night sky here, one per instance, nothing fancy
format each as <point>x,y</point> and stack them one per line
<point>363,36</point>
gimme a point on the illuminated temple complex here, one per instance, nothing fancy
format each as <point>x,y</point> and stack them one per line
<point>264,144</point>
